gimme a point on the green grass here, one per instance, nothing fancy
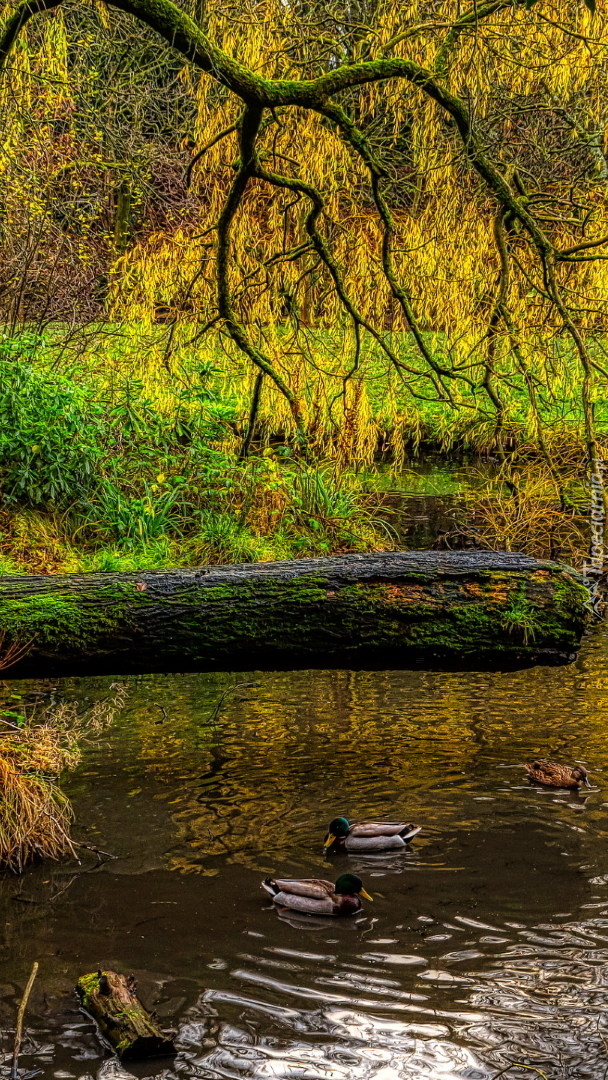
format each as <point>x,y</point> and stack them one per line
<point>108,461</point>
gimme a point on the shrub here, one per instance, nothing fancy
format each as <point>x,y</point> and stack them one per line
<point>135,520</point>
<point>49,435</point>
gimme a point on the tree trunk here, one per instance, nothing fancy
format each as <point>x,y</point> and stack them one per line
<point>112,1002</point>
<point>393,609</point>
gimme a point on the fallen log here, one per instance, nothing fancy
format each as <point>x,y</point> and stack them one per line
<point>395,609</point>
<point>131,1030</point>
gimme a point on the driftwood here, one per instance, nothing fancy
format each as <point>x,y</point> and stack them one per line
<point>395,609</point>
<point>112,1001</point>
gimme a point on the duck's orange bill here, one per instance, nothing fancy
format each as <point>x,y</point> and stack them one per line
<point>366,895</point>
<point>329,841</point>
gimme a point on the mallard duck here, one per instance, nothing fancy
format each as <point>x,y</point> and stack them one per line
<point>368,835</point>
<point>318,897</point>
<point>553,775</point>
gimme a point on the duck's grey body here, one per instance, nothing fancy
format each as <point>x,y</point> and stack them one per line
<point>310,904</point>
<point>379,836</point>
<point>314,895</point>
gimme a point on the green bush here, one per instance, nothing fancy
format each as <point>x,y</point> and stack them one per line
<point>96,475</point>
<point>50,435</point>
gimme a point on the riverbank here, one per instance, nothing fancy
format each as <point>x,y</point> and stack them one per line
<point>105,469</point>
<point>111,461</point>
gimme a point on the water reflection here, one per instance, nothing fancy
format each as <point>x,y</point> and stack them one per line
<point>486,944</point>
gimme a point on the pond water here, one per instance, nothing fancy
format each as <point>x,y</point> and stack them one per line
<point>486,943</point>
<point>425,500</point>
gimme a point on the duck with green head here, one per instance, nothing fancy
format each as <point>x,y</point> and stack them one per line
<point>364,836</point>
<point>315,896</point>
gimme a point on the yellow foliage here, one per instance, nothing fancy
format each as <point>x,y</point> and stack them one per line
<point>444,248</point>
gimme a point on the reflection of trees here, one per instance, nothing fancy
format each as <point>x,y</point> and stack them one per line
<point>265,779</point>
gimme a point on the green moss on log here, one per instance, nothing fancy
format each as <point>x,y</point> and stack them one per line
<point>88,985</point>
<point>287,611</point>
<point>181,620</point>
<point>60,622</point>
<point>112,1001</point>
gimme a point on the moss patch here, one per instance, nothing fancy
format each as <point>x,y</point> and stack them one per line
<point>86,986</point>
<point>55,621</point>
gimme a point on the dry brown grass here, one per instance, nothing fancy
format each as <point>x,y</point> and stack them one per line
<point>532,508</point>
<point>35,815</point>
<point>11,652</point>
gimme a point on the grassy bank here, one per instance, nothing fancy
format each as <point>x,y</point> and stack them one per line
<point>96,474</point>
<point>117,453</point>
<point>36,746</point>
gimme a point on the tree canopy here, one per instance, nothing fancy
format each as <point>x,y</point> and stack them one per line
<point>360,174</point>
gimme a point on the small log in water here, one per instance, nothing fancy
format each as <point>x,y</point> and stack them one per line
<point>393,609</point>
<point>112,1001</point>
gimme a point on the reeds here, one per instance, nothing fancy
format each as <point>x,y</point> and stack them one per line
<point>533,506</point>
<point>35,815</point>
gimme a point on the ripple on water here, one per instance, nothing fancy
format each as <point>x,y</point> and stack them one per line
<point>486,943</point>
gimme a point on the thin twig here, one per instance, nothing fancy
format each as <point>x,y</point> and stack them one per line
<point>14,652</point>
<point>517,1065</point>
<point>20,1015</point>
<point>238,686</point>
<point>91,847</point>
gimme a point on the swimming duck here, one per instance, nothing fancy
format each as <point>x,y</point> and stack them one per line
<point>369,835</point>
<point>553,775</point>
<point>318,897</point>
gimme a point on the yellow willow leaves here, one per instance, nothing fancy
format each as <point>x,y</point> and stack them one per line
<point>103,13</point>
<point>444,250</point>
<point>53,57</point>
<point>461,249</point>
<point>15,102</point>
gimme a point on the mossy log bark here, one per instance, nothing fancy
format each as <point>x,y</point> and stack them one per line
<point>389,609</point>
<point>112,1001</point>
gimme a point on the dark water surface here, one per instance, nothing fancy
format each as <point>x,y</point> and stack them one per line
<point>426,500</point>
<point>487,942</point>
